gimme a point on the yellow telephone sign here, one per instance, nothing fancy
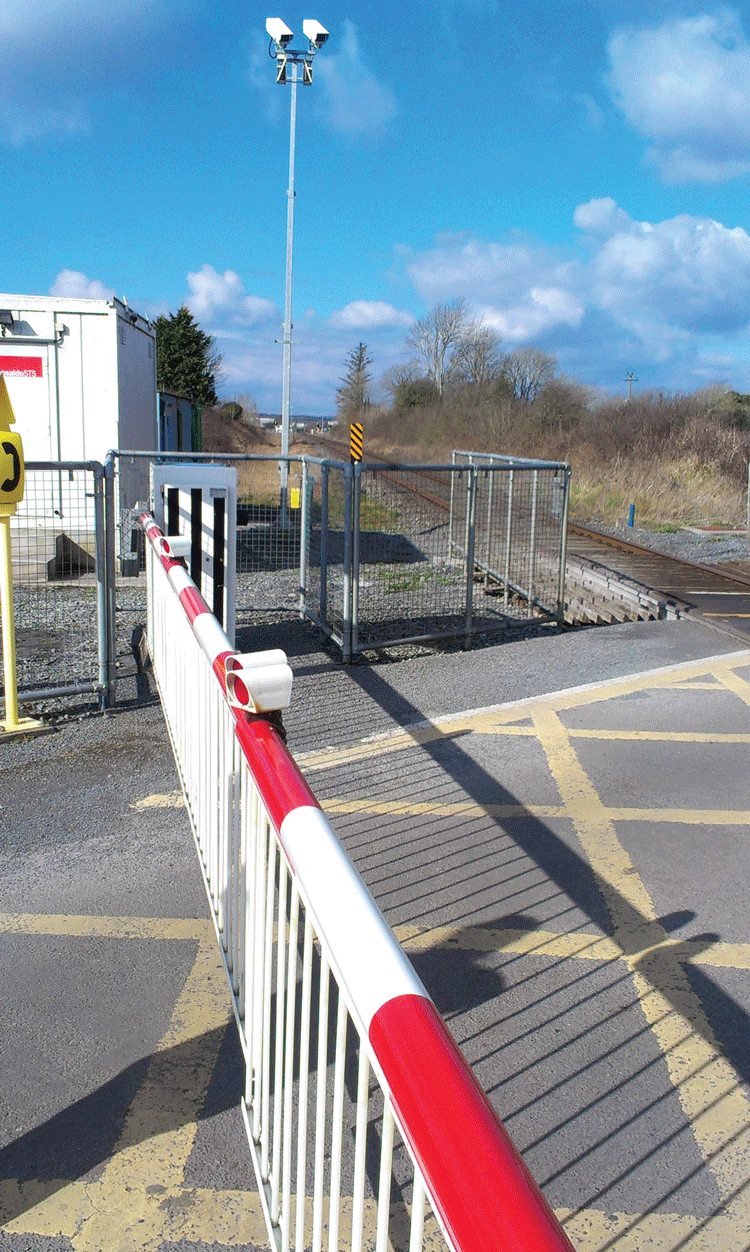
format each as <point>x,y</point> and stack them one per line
<point>11,456</point>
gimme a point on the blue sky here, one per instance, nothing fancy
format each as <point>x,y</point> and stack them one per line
<point>577,171</point>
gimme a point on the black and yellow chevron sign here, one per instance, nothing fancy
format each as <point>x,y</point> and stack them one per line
<point>356,441</point>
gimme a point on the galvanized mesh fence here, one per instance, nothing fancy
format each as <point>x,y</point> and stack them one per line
<point>373,555</point>
<point>460,549</point>
<point>59,580</point>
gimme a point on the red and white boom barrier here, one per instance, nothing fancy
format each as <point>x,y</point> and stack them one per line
<point>320,986</point>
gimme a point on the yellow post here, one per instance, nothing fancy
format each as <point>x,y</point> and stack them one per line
<point>9,634</point>
<point>11,491</point>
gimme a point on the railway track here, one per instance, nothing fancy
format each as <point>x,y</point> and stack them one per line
<point>612,580</point>
<point>618,580</point>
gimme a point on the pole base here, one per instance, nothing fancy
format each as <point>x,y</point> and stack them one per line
<point>23,727</point>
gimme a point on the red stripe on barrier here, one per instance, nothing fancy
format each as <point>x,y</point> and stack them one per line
<point>276,774</point>
<point>220,668</point>
<point>485,1195</point>
<point>192,601</point>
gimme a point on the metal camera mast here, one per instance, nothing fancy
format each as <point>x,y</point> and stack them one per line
<point>287,60</point>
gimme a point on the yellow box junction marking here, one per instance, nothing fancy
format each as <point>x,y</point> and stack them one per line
<point>141,1199</point>
<point>706,1084</point>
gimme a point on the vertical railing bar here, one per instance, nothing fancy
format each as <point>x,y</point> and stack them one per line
<point>384,1182</point>
<point>238,869</point>
<point>220,817</point>
<point>320,1105</point>
<point>304,1082</point>
<point>265,1116</point>
<point>278,1068</point>
<point>246,905</point>
<point>287,1083</point>
<point>337,1126</point>
<point>417,1213</point>
<point>265,872</point>
<point>360,1147</point>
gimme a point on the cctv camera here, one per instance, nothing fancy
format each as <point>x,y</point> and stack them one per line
<point>279,31</point>
<point>316,33</point>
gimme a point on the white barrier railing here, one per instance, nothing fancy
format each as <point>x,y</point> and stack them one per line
<point>362,1115</point>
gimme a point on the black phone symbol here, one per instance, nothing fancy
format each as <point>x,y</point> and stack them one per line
<point>11,483</point>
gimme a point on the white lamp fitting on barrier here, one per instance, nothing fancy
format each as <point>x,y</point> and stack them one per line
<point>259,682</point>
<point>177,547</point>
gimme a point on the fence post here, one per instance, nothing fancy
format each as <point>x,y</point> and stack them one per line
<point>356,510</point>
<point>532,535</point>
<point>109,565</point>
<point>563,548</point>
<point>346,612</point>
<point>324,473</point>
<point>304,537</point>
<point>102,632</point>
<point>470,536</point>
<point>508,537</point>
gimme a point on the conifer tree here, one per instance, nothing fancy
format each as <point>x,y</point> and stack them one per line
<point>354,396</point>
<point>187,362</point>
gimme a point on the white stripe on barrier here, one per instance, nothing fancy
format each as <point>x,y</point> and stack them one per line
<point>210,636</point>
<point>179,578</point>
<point>372,969</point>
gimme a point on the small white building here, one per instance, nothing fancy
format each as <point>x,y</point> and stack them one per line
<point>81,375</point>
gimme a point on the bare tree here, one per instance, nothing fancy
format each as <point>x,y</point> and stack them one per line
<point>397,375</point>
<point>437,337</point>
<point>477,358</point>
<point>527,370</point>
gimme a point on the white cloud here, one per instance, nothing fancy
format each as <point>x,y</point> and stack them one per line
<point>76,285</point>
<point>354,101</point>
<point>688,272</point>
<point>645,293</point>
<point>685,85</point>
<point>222,296</point>
<point>369,314</point>
<point>520,288</point>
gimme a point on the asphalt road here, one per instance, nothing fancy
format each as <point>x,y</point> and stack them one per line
<point>568,873</point>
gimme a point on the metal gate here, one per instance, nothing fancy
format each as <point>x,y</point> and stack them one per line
<point>62,587</point>
<point>374,555</point>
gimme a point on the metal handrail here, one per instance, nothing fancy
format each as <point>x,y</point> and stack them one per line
<point>274,868</point>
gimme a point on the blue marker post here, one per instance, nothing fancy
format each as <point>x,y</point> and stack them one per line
<point>631,515</point>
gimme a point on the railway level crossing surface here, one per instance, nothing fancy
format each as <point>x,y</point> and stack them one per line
<point>556,829</point>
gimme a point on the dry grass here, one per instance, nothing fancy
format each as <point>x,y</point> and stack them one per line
<point>680,492</point>
<point>681,460</point>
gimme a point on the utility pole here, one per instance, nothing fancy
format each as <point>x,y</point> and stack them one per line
<point>280,38</point>
<point>631,378</point>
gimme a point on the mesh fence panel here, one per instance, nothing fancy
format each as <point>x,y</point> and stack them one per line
<point>445,550</point>
<point>54,563</point>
